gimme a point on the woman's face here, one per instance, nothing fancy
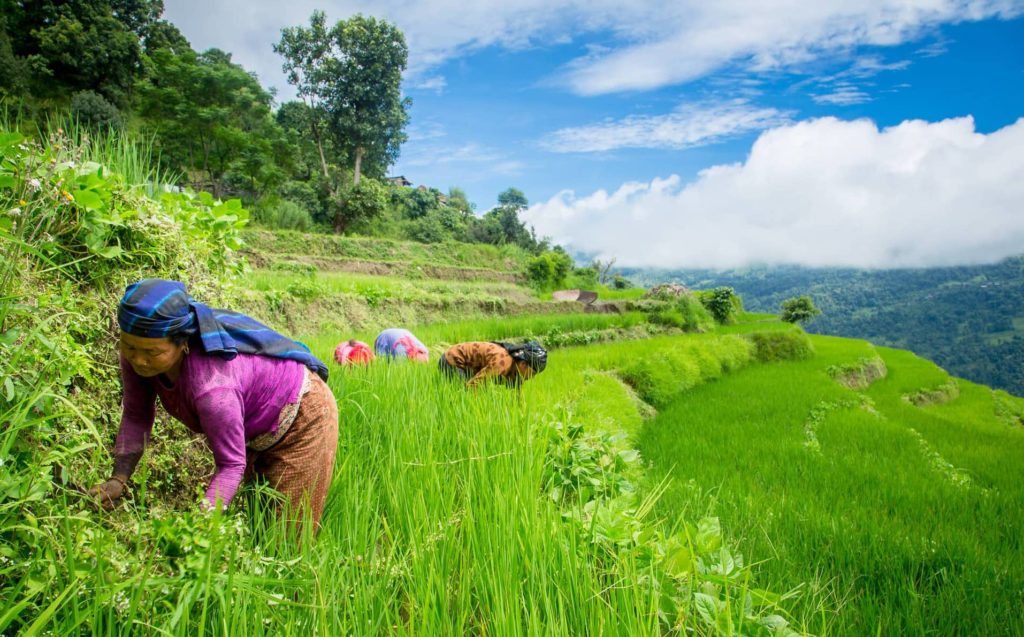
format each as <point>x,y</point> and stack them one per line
<point>151,356</point>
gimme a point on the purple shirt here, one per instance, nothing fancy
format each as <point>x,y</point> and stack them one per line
<point>388,342</point>
<point>228,401</point>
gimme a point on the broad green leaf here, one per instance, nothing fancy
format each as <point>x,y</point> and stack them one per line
<point>709,535</point>
<point>629,455</point>
<point>9,389</point>
<point>707,607</point>
<point>6,181</point>
<point>10,139</point>
<point>88,199</point>
<point>110,252</point>
<point>679,562</point>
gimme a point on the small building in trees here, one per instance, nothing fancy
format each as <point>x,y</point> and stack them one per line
<point>399,181</point>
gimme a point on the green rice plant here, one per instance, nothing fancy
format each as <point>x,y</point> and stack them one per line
<point>894,519</point>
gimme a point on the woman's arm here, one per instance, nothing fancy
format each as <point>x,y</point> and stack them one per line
<point>138,409</point>
<point>496,364</point>
<point>222,419</point>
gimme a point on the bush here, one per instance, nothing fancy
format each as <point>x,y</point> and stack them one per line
<point>685,313</point>
<point>723,303</point>
<point>660,378</point>
<point>358,204</point>
<point>548,269</point>
<point>799,309</point>
<point>427,229</point>
<point>781,346</point>
<point>95,112</point>
<point>284,214</point>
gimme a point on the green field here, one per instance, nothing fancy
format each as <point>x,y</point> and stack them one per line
<point>900,519</point>
<point>748,480</point>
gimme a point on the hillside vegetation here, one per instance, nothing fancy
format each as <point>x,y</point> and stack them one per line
<point>667,474</point>
<point>968,319</point>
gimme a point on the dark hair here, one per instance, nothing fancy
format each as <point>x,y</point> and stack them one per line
<point>188,337</point>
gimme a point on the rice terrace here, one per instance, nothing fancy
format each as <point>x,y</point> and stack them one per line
<point>255,380</point>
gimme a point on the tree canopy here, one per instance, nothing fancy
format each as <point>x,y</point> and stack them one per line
<point>349,75</point>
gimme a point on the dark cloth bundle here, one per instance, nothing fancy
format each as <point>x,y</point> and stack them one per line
<point>532,353</point>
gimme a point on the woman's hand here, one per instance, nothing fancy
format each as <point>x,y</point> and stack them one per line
<point>109,492</point>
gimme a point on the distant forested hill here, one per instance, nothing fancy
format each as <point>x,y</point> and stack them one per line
<point>969,320</point>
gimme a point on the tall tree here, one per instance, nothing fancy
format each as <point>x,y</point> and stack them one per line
<point>350,76</point>
<point>309,65</point>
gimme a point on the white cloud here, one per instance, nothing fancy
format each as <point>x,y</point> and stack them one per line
<point>822,192</point>
<point>436,83</point>
<point>703,36</point>
<point>481,159</point>
<point>655,43</point>
<point>688,126</point>
<point>842,95</point>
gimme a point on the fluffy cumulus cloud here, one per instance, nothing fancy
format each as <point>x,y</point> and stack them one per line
<point>821,192</point>
<point>686,127</point>
<point>653,43</point>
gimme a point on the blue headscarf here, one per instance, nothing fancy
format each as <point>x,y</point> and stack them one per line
<point>157,308</point>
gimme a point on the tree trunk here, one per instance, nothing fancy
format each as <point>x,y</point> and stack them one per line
<point>359,164</point>
<point>319,147</point>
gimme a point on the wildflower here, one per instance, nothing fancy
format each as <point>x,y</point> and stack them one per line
<point>67,195</point>
<point>22,202</point>
<point>34,184</point>
<point>14,212</point>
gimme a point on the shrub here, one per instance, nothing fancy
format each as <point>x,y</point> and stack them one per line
<point>781,346</point>
<point>426,229</point>
<point>799,309</point>
<point>723,303</point>
<point>548,269</point>
<point>94,111</point>
<point>686,313</point>
<point>284,214</point>
<point>660,378</point>
<point>357,204</point>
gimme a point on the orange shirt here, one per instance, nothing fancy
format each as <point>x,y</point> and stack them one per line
<point>483,361</point>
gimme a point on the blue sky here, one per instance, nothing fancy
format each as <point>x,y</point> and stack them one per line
<point>818,133</point>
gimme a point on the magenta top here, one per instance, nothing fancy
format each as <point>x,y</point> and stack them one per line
<point>230,402</point>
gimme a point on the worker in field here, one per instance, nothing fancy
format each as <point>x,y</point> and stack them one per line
<point>353,352</point>
<point>400,343</point>
<point>260,398</point>
<point>506,363</point>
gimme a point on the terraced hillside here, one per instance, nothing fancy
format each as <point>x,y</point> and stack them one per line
<point>867,490</point>
<point>317,282</point>
<point>747,480</point>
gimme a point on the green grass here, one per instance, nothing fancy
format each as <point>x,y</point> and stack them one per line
<point>285,242</point>
<point>493,329</point>
<point>379,287</point>
<point>903,520</point>
<point>436,524</point>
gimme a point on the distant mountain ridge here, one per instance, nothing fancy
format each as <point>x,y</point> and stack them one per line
<point>968,319</point>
